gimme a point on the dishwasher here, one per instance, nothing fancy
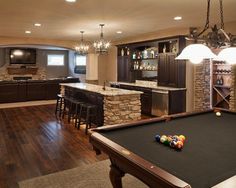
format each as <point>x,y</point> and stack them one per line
<point>160,102</point>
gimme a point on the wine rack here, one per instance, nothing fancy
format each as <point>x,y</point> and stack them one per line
<point>221,84</point>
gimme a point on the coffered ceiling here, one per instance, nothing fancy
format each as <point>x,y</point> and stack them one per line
<point>63,20</point>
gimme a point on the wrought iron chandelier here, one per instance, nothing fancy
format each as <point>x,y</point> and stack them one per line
<point>101,46</point>
<point>216,38</point>
<point>82,48</point>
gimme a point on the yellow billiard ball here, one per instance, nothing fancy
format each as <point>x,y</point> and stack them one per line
<point>218,114</point>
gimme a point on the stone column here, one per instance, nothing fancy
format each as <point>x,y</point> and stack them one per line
<point>232,101</point>
<point>202,86</point>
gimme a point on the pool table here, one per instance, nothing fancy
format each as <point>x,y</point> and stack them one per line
<point>208,158</point>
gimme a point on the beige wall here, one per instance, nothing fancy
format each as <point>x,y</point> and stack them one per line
<point>92,67</point>
<point>107,66</point>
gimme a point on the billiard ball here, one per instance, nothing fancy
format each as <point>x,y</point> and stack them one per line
<point>182,138</point>
<point>179,145</point>
<point>173,144</point>
<point>163,138</point>
<point>175,137</point>
<point>169,138</point>
<point>167,143</point>
<point>218,114</point>
<point>157,138</point>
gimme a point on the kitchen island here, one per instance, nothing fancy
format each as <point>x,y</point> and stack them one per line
<point>114,105</point>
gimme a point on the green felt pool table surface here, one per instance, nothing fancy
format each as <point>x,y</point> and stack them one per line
<point>208,155</point>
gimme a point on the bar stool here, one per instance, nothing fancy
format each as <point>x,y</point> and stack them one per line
<point>59,104</point>
<point>68,108</point>
<point>89,111</point>
<point>77,110</point>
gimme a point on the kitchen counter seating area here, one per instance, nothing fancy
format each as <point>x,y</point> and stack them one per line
<point>114,105</point>
<point>29,90</point>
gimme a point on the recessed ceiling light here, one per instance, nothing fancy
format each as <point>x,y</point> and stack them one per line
<point>37,24</point>
<point>178,18</point>
<point>118,32</point>
<point>71,1</point>
<point>27,32</point>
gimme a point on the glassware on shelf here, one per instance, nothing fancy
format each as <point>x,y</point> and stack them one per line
<point>152,54</point>
<point>134,55</point>
<point>122,52</point>
<point>127,51</point>
<point>164,49</point>
<point>145,54</point>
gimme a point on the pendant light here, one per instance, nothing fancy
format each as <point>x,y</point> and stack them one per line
<point>101,46</point>
<point>216,38</point>
<point>82,48</point>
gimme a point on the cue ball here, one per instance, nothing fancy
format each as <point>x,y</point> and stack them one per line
<point>218,114</point>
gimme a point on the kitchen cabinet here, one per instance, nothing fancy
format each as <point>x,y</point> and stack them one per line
<point>153,61</point>
<point>171,73</point>
<point>123,66</point>
<point>19,91</point>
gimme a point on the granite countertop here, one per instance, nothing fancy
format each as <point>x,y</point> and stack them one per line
<point>109,91</point>
<point>148,84</point>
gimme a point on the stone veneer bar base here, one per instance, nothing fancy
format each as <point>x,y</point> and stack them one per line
<point>114,105</point>
<point>121,109</point>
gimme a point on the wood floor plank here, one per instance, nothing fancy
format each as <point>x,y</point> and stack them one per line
<point>33,143</point>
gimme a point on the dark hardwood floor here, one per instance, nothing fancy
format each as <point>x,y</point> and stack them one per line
<point>34,143</point>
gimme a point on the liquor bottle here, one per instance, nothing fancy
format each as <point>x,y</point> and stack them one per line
<point>137,65</point>
<point>134,65</point>
<point>221,81</point>
<point>127,51</point>
<point>122,52</point>
<point>218,81</point>
<point>164,49</point>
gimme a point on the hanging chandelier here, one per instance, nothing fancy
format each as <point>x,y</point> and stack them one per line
<point>82,48</point>
<point>101,46</point>
<point>216,38</point>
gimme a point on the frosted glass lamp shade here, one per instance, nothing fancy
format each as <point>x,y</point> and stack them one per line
<point>196,53</point>
<point>228,55</point>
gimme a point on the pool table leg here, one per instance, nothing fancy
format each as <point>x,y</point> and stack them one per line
<point>115,176</point>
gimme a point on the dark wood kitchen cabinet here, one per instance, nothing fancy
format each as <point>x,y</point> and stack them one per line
<point>19,91</point>
<point>123,66</point>
<point>36,90</point>
<point>171,73</point>
<point>146,101</point>
<point>8,92</point>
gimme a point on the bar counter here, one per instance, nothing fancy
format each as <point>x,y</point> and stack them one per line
<point>115,105</point>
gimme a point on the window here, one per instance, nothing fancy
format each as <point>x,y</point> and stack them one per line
<point>56,60</point>
<point>80,60</point>
<point>80,64</point>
